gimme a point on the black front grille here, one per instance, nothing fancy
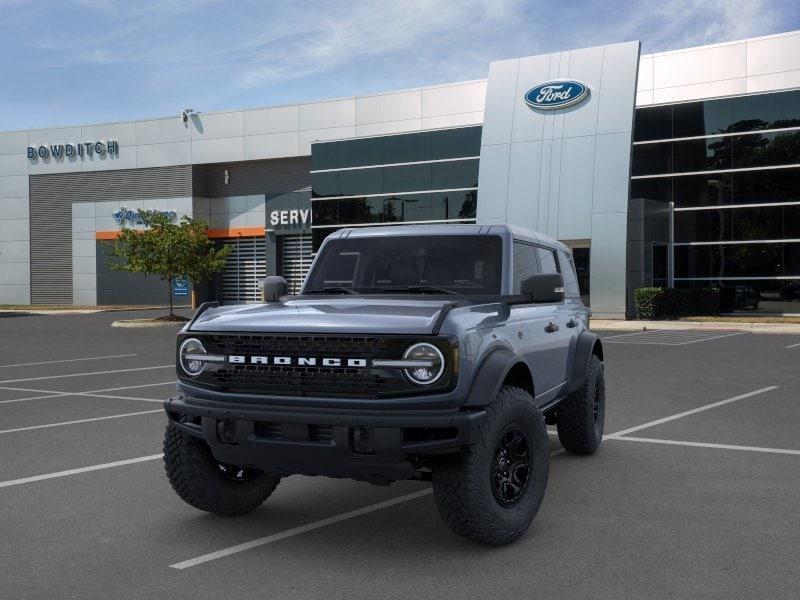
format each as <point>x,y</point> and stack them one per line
<point>307,380</point>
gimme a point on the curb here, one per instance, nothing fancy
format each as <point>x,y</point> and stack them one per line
<point>133,324</point>
<point>752,327</point>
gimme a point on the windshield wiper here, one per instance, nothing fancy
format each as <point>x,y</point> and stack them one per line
<point>420,289</point>
<point>334,289</point>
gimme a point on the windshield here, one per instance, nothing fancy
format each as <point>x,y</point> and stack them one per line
<point>443,264</point>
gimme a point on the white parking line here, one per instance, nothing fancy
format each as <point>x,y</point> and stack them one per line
<point>282,535</point>
<point>793,346</point>
<point>172,366</point>
<point>90,393</point>
<point>67,473</point>
<point>62,423</point>
<point>66,360</point>
<point>692,412</point>
<point>671,337</point>
<point>706,445</point>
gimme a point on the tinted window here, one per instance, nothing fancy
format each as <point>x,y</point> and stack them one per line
<point>777,185</point>
<point>360,181</point>
<point>454,143</point>
<point>325,184</point>
<point>457,174</point>
<point>325,212</point>
<point>570,276</point>
<point>738,260</point>
<point>454,205</point>
<point>407,148</point>
<point>702,155</point>
<point>702,190</point>
<point>409,178</point>
<point>701,118</point>
<point>766,111</point>
<point>547,260</point>
<point>325,156</point>
<point>763,223</point>
<point>652,159</point>
<point>653,123</point>
<point>525,264</point>
<point>356,153</point>
<point>465,264</point>
<point>756,150</point>
<point>653,189</point>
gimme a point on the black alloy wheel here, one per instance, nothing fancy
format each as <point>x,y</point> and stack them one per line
<point>511,466</point>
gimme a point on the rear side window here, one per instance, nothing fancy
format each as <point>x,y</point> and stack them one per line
<point>571,289</point>
<point>525,264</point>
<point>547,260</point>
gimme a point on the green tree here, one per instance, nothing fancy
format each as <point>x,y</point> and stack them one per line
<point>168,249</point>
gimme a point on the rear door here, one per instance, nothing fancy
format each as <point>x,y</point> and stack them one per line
<point>559,315</point>
<point>541,342</point>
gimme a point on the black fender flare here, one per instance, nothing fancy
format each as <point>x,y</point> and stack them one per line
<point>588,344</point>
<point>491,374</point>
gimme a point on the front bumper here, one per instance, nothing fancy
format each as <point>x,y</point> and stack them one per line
<point>375,445</point>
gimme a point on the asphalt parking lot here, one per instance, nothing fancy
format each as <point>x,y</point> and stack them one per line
<point>694,493</point>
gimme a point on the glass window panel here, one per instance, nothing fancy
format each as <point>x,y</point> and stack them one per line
<point>766,111</point>
<point>454,205</point>
<point>702,155</point>
<point>702,190</point>
<point>736,260</point>
<point>761,150</point>
<point>409,178</point>
<point>701,118</point>
<point>653,123</point>
<point>458,174</point>
<point>547,260</point>
<point>318,236</point>
<point>360,210</point>
<point>325,156</point>
<point>413,147</point>
<point>703,225</point>
<point>525,264</point>
<point>774,185</point>
<point>652,159</point>
<point>325,212</point>
<point>361,181</point>
<point>652,189</point>
<point>412,207</point>
<point>567,267</point>
<point>325,184</point>
<point>454,143</point>
<point>357,153</point>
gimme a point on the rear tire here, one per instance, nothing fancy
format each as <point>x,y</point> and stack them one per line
<point>200,480</point>
<point>581,416</point>
<point>491,491</point>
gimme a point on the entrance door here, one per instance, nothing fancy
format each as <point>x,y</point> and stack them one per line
<point>245,267</point>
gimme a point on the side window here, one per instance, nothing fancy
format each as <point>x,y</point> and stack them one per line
<point>571,289</point>
<point>525,264</point>
<point>547,258</point>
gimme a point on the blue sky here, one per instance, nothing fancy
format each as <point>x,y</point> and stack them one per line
<point>90,61</point>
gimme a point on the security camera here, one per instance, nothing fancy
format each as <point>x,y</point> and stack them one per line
<point>185,114</point>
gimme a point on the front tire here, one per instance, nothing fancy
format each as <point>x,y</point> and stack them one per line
<point>581,416</point>
<point>201,481</point>
<point>491,491</point>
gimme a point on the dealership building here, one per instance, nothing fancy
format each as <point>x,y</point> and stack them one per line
<point>677,168</point>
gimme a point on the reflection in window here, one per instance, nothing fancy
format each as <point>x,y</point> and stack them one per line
<point>525,264</point>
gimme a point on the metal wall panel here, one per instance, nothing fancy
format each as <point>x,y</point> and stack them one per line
<point>259,177</point>
<point>51,198</point>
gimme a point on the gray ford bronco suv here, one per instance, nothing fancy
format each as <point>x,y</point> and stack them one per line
<point>431,352</point>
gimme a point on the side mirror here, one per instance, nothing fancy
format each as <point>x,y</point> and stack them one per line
<point>544,288</point>
<point>273,287</point>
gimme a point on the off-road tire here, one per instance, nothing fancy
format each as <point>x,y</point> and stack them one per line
<point>462,483</point>
<point>197,478</point>
<point>581,416</point>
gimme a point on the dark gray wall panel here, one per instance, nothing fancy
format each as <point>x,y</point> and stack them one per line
<point>51,198</point>
<point>259,177</point>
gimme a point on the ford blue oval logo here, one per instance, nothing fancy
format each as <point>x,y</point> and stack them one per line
<point>556,94</point>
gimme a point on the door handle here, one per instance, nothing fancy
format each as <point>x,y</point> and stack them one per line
<point>572,323</point>
<point>551,327</point>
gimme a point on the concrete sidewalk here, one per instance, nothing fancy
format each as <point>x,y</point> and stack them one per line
<point>751,326</point>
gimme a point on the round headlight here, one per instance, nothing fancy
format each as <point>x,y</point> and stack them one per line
<point>428,374</point>
<point>191,366</point>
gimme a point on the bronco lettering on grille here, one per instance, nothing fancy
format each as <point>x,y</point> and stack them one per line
<point>300,361</point>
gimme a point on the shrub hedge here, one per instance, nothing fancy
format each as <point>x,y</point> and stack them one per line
<point>665,303</point>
